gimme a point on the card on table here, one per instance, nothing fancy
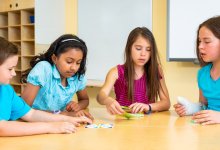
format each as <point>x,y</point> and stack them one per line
<point>107,125</point>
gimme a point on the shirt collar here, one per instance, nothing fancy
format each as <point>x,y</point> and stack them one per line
<point>56,73</point>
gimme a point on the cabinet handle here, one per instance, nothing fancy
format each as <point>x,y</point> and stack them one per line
<point>16,5</point>
<point>10,5</point>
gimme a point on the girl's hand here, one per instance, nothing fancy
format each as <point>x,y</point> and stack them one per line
<point>77,120</point>
<point>72,106</point>
<point>139,107</point>
<point>114,108</point>
<point>84,113</point>
<point>206,117</point>
<point>61,127</point>
<point>180,109</point>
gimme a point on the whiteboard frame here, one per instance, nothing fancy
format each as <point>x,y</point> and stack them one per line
<point>196,12</point>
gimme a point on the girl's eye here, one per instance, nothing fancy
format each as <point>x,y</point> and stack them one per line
<point>138,48</point>
<point>78,63</point>
<point>69,62</point>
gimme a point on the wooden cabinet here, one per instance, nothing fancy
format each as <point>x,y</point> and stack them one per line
<point>17,26</point>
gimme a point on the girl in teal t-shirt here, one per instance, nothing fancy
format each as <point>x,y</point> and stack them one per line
<point>56,76</point>
<point>208,53</point>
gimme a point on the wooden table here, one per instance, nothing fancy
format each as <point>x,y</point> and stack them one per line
<point>158,131</point>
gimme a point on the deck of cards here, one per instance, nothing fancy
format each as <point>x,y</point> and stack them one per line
<point>107,125</point>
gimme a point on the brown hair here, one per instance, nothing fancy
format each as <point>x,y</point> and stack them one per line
<point>213,24</point>
<point>151,67</point>
<point>7,49</point>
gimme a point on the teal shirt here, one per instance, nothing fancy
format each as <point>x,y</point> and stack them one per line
<point>12,107</point>
<point>52,94</point>
<point>209,87</point>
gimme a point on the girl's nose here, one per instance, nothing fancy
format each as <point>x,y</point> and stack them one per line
<point>74,67</point>
<point>143,53</point>
<point>201,45</point>
<point>13,73</point>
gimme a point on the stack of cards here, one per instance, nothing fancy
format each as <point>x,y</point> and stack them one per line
<point>128,113</point>
<point>107,125</point>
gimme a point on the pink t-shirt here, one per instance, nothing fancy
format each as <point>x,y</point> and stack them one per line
<point>121,90</point>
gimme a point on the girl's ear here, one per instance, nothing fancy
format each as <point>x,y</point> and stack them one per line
<point>54,59</point>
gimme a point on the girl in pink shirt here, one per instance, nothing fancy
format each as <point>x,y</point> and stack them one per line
<point>139,81</point>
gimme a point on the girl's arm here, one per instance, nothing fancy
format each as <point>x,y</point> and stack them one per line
<point>83,99</point>
<point>16,128</point>
<point>103,96</point>
<point>83,102</point>
<point>29,93</point>
<point>41,123</point>
<point>202,99</point>
<point>164,103</point>
<point>41,116</point>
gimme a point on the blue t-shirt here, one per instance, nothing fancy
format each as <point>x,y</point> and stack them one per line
<point>12,107</point>
<point>52,94</point>
<point>209,87</point>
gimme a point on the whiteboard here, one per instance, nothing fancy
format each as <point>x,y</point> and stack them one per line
<point>105,25</point>
<point>49,20</point>
<point>184,17</point>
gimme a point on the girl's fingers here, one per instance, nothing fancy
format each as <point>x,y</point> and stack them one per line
<point>180,111</point>
<point>142,109</point>
<point>136,108</point>
<point>200,115</point>
<point>208,122</point>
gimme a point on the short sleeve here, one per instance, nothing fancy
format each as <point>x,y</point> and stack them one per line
<point>39,74</point>
<point>13,107</point>
<point>198,79</point>
<point>82,83</point>
<point>19,108</point>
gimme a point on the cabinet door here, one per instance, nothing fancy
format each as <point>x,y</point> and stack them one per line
<point>11,5</point>
<point>24,4</point>
<point>7,5</point>
<point>4,5</point>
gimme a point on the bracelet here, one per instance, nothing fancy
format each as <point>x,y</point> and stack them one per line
<point>150,109</point>
<point>56,111</point>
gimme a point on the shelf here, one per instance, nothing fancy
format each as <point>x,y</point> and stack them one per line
<point>17,79</point>
<point>14,18</point>
<point>18,67</point>
<point>26,16</point>
<point>3,27</point>
<point>3,19</point>
<point>15,41</point>
<point>25,63</point>
<point>32,24</point>
<point>27,32</point>
<point>4,32</point>
<point>28,40</point>
<point>18,44</point>
<point>14,33</point>
<point>28,48</point>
